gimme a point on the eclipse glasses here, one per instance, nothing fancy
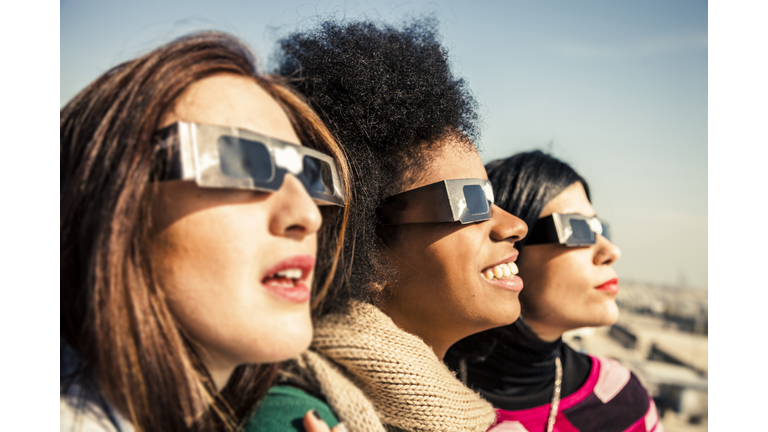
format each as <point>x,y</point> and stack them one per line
<point>567,229</point>
<point>463,200</point>
<point>230,158</point>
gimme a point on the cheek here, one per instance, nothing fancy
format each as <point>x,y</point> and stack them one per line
<point>551,279</point>
<point>208,264</point>
<point>447,264</point>
<point>572,271</point>
<point>559,288</point>
<point>208,254</point>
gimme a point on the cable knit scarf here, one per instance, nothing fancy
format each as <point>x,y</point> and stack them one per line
<point>371,372</point>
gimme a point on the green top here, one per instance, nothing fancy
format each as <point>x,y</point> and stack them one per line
<point>284,408</point>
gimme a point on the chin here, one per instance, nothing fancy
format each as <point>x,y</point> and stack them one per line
<point>279,349</point>
<point>501,319</point>
<point>276,346</point>
<point>614,315</point>
<point>609,315</point>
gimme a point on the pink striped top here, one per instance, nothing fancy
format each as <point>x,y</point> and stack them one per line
<point>611,400</point>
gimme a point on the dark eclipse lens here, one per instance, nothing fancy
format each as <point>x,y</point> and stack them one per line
<point>476,201</point>
<point>317,175</point>
<point>581,231</point>
<point>242,158</point>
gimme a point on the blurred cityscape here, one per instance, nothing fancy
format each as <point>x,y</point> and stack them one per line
<point>661,336</point>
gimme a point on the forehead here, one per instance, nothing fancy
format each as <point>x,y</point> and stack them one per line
<point>232,100</point>
<point>453,160</point>
<point>572,199</point>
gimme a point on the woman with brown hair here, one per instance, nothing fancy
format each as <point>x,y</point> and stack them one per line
<point>190,226</point>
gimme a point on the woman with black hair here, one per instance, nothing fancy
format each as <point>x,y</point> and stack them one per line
<point>537,382</point>
<point>433,257</point>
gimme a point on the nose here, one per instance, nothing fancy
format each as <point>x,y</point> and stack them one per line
<point>294,214</point>
<point>505,226</point>
<point>606,253</point>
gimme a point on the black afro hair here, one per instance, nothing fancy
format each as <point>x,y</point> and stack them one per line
<point>388,95</point>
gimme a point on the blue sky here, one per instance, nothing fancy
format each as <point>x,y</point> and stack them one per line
<point>616,89</point>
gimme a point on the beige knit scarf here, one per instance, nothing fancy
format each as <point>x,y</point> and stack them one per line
<point>371,372</point>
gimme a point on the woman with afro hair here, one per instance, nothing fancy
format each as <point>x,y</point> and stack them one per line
<point>433,257</point>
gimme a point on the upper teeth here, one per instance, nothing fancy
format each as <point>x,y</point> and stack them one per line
<point>501,271</point>
<point>290,273</point>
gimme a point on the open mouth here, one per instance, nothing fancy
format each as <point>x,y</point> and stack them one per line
<point>501,271</point>
<point>287,278</point>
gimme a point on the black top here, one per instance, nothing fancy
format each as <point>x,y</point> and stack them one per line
<point>519,372</point>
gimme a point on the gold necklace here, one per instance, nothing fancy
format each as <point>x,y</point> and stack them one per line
<point>555,395</point>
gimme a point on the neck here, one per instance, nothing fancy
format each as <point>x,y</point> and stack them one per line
<point>545,332</point>
<point>219,370</point>
<point>220,377</point>
<point>526,362</point>
<point>432,333</point>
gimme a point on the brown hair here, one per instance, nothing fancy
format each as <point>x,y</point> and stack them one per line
<point>112,313</point>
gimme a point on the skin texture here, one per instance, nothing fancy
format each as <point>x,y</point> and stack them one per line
<point>313,424</point>
<point>440,294</point>
<point>560,282</point>
<point>211,248</point>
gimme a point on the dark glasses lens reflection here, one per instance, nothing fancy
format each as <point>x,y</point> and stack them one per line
<point>477,203</point>
<point>242,158</point>
<point>317,175</point>
<point>581,231</point>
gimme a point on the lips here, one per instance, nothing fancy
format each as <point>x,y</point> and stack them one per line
<point>609,286</point>
<point>288,278</point>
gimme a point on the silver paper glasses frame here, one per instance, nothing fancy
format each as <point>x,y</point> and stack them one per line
<point>231,158</point>
<point>454,200</point>
<point>569,229</point>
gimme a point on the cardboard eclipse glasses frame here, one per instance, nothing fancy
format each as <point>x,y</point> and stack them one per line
<point>230,158</point>
<point>455,200</point>
<point>572,230</point>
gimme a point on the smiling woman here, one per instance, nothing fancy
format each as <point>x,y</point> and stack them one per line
<point>188,246</point>
<point>537,382</point>
<point>434,257</point>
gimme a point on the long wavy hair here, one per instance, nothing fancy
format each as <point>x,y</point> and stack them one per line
<point>113,314</point>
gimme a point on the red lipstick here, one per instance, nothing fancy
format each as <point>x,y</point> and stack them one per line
<point>288,278</point>
<point>609,286</point>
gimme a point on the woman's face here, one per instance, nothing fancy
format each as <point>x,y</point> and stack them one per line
<point>215,253</point>
<point>562,282</point>
<point>441,294</point>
